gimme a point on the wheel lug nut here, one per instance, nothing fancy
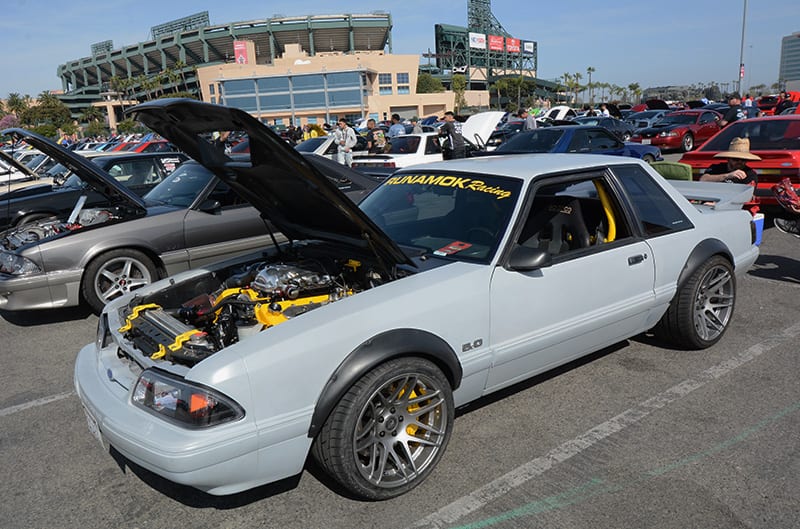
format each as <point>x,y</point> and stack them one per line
<point>400,419</point>
<point>394,433</point>
<point>380,419</point>
<point>391,410</point>
<point>382,434</point>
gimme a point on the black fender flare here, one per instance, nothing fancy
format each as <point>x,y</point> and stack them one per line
<point>377,350</point>
<point>702,253</point>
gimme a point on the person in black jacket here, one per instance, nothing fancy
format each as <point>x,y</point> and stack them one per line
<point>452,141</point>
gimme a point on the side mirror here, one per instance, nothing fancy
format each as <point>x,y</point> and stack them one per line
<point>525,259</point>
<point>210,206</point>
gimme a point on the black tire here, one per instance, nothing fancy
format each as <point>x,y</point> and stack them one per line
<point>389,431</point>
<point>115,273</point>
<point>702,309</point>
<point>687,143</point>
<point>649,158</point>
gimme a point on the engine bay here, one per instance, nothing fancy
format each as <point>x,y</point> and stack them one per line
<point>34,232</point>
<point>182,325</point>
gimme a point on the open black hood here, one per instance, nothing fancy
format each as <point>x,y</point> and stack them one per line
<point>116,193</point>
<point>278,181</point>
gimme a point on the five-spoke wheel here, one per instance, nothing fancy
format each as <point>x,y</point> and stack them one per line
<point>115,273</point>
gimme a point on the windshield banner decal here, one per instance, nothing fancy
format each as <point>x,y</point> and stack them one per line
<point>449,181</point>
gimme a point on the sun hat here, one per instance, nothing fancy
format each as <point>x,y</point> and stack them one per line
<point>738,148</point>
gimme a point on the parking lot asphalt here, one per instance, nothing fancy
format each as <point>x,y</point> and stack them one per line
<point>637,435</point>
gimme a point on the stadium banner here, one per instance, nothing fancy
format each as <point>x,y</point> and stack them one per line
<point>240,51</point>
<point>512,45</point>
<point>496,43</point>
<point>477,40</point>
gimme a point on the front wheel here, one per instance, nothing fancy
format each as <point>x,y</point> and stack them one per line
<point>687,144</point>
<point>649,158</point>
<point>702,309</point>
<point>389,430</point>
<point>115,273</point>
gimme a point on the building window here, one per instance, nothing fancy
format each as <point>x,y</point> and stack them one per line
<point>312,120</point>
<point>384,78</point>
<point>402,78</point>
<point>213,100</point>
<point>212,89</point>
<point>403,90</point>
<point>385,90</point>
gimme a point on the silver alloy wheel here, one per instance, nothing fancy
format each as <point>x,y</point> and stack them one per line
<point>713,305</point>
<point>120,275</point>
<point>400,430</point>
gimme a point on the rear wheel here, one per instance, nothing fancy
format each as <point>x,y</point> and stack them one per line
<point>702,309</point>
<point>649,158</point>
<point>115,273</point>
<point>687,143</point>
<point>389,430</point>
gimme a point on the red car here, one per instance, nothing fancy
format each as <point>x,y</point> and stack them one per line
<point>680,130</point>
<point>776,139</point>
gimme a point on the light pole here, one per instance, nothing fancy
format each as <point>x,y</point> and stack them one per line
<point>741,50</point>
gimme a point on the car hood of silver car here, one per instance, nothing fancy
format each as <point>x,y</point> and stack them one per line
<point>298,199</point>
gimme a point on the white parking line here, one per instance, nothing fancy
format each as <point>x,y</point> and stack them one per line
<point>481,497</point>
<point>34,403</point>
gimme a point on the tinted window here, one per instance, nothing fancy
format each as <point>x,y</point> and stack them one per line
<point>181,187</point>
<point>656,210</point>
<point>765,134</point>
<point>539,140</point>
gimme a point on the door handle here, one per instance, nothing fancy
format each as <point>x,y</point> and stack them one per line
<point>636,259</point>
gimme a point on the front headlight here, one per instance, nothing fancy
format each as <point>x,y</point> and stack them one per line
<point>182,402</point>
<point>16,265</point>
<point>668,134</point>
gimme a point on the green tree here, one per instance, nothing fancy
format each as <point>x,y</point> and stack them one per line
<point>49,111</point>
<point>127,126</point>
<point>428,84</point>
<point>90,114</point>
<point>16,104</point>
<point>96,128</point>
<point>635,91</point>
<point>589,71</point>
<point>459,86</point>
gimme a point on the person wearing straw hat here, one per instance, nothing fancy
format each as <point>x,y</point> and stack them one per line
<point>735,168</point>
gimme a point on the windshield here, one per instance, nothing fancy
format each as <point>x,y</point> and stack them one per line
<point>647,114</point>
<point>539,140</point>
<point>181,187</point>
<point>678,119</point>
<point>460,217</point>
<point>764,134</point>
<point>311,144</point>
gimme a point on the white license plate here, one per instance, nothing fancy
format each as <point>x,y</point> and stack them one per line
<point>645,142</point>
<point>93,428</point>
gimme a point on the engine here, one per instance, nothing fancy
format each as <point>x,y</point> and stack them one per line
<point>262,296</point>
<point>35,232</point>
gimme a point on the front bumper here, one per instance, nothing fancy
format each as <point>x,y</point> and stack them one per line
<point>220,460</point>
<point>40,291</point>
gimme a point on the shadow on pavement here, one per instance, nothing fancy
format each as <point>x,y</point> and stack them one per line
<point>776,267</point>
<point>32,318</point>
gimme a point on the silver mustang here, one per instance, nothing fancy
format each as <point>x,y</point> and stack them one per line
<point>355,340</point>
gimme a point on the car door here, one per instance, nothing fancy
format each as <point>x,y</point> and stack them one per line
<point>222,225</point>
<point>708,125</point>
<point>596,290</point>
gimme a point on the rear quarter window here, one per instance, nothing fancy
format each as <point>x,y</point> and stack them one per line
<point>657,212</point>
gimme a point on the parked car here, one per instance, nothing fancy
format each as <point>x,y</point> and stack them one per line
<point>575,139</point>
<point>775,139</point>
<point>410,149</point>
<point>503,132</point>
<point>680,130</point>
<point>324,146</point>
<point>619,128</point>
<point>356,342</point>
<point>646,118</point>
<point>559,112</point>
<point>139,172</point>
<point>11,170</point>
<point>96,254</point>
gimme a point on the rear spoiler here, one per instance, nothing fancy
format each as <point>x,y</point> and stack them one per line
<point>719,195</point>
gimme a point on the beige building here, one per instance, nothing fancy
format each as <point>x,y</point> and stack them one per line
<point>299,88</point>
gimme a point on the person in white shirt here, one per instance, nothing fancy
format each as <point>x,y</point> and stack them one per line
<point>345,139</point>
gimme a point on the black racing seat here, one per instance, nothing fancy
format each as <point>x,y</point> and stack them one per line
<point>556,225</point>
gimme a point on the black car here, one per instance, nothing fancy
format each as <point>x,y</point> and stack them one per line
<point>621,129</point>
<point>139,172</point>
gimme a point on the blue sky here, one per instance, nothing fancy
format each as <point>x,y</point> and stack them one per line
<point>626,41</point>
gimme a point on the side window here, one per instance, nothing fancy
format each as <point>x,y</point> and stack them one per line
<point>600,140</point>
<point>432,145</point>
<point>226,196</point>
<point>656,210</point>
<point>580,142</point>
<point>575,215</point>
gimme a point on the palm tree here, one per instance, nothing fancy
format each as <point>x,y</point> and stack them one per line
<point>180,66</point>
<point>635,91</point>
<point>590,70</point>
<point>576,79</point>
<point>567,83</point>
<point>48,99</point>
<point>90,114</point>
<point>16,104</point>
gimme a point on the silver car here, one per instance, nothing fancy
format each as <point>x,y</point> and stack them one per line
<point>356,340</point>
<point>95,254</point>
